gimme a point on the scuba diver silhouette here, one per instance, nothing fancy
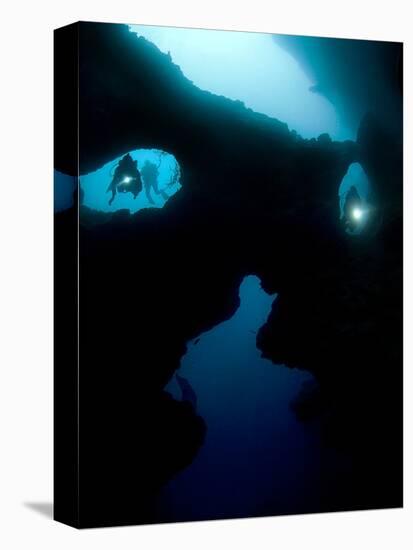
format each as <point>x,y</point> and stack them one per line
<point>150,173</point>
<point>352,209</point>
<point>126,178</point>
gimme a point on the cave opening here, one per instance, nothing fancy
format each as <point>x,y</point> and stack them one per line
<point>252,68</point>
<point>355,199</point>
<point>154,177</point>
<point>255,442</point>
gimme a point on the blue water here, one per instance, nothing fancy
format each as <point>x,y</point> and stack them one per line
<point>95,184</point>
<point>256,453</point>
<point>356,176</point>
<point>249,67</point>
<point>64,187</point>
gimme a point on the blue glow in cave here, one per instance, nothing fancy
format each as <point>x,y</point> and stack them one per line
<point>252,68</point>
<point>255,446</point>
<point>355,177</point>
<point>95,184</point>
<point>64,187</point>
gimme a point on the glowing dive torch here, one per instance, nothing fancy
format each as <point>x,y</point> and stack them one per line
<point>357,214</point>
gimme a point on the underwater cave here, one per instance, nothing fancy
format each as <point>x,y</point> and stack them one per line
<point>160,179</point>
<point>259,214</point>
<point>355,197</point>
